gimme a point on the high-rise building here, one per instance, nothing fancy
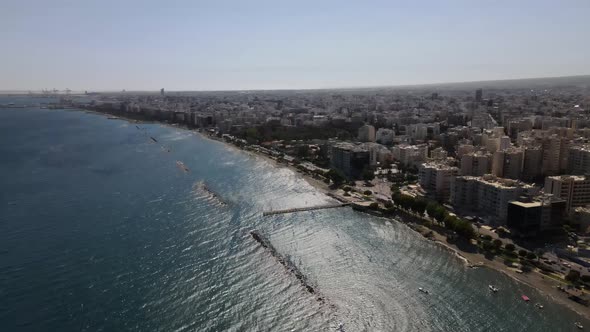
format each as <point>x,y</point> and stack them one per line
<point>519,125</point>
<point>464,149</point>
<point>487,195</point>
<point>350,159</point>
<point>575,190</point>
<point>418,131</point>
<point>435,179</point>
<point>552,158</point>
<point>478,95</point>
<point>579,160</point>
<point>529,216</point>
<point>410,155</point>
<point>366,133</point>
<point>504,142</point>
<point>533,159</point>
<point>439,154</point>
<point>162,91</point>
<point>508,163</point>
<point>476,164</point>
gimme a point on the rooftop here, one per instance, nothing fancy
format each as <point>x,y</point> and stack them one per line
<point>526,204</point>
<point>567,177</point>
<point>498,182</point>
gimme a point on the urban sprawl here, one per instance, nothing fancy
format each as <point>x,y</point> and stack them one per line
<point>505,169</point>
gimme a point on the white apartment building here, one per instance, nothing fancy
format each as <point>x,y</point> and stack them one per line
<point>575,190</point>
<point>476,164</point>
<point>409,155</point>
<point>435,179</point>
<point>579,160</point>
<point>487,195</point>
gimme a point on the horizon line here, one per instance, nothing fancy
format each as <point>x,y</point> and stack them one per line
<point>315,89</point>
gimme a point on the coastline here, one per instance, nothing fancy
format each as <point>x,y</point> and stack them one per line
<point>469,259</point>
<point>545,286</point>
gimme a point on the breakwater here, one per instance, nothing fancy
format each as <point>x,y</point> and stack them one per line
<point>291,268</point>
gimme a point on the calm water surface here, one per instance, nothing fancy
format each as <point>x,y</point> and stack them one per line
<point>100,230</point>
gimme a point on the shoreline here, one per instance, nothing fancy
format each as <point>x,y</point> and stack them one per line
<point>544,285</point>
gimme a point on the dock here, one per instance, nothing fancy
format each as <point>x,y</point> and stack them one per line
<point>301,209</point>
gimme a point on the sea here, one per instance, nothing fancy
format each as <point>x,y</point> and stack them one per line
<point>110,225</point>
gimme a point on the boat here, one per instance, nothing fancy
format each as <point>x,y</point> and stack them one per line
<point>579,325</point>
<point>423,290</point>
<point>539,306</point>
<point>493,288</point>
<point>525,298</point>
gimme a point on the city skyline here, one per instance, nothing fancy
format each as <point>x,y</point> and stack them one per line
<point>262,45</point>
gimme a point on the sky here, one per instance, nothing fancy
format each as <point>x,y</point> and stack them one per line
<point>250,44</point>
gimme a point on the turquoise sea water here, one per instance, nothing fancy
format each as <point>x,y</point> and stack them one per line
<point>100,230</point>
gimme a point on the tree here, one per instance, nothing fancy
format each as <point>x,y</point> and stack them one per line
<point>497,243</point>
<point>418,205</point>
<point>252,135</point>
<point>487,245</point>
<point>336,176</point>
<point>374,205</point>
<point>531,255</point>
<point>572,276</point>
<point>302,151</point>
<point>487,237</point>
<point>522,253</point>
<point>450,221</point>
<point>436,211</point>
<point>367,192</point>
<point>464,228</point>
<point>509,247</point>
<point>388,205</point>
<point>368,174</point>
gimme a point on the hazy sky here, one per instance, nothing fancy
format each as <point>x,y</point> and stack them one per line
<point>250,44</point>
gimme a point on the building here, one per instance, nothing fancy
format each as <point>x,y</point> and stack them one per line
<point>504,143</point>
<point>552,154</point>
<point>476,164</point>
<point>478,95</point>
<point>517,126</point>
<point>418,131</point>
<point>533,159</point>
<point>464,149</point>
<point>540,213</point>
<point>410,155</point>
<point>439,154</point>
<point>435,179</point>
<point>579,160</point>
<point>508,163</point>
<point>162,91</point>
<point>385,136</point>
<point>575,190</point>
<point>581,217</point>
<point>366,133</point>
<point>350,159</point>
<point>488,195</point>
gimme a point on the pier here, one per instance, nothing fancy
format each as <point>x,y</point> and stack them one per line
<point>301,209</point>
